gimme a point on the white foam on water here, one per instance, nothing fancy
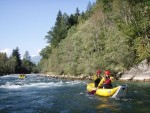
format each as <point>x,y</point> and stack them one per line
<point>72,83</point>
<point>7,76</point>
<point>9,85</point>
<point>39,82</point>
<point>44,85</point>
<point>19,85</point>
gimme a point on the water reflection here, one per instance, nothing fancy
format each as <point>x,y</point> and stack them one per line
<point>108,105</point>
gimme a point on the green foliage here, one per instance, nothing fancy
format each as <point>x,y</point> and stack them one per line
<point>15,65</point>
<point>7,65</point>
<point>46,52</point>
<point>27,65</point>
<point>142,47</point>
<point>16,55</point>
<point>59,31</point>
<point>112,35</point>
<point>27,56</point>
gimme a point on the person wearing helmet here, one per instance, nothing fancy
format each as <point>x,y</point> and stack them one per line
<point>106,80</point>
<point>97,77</point>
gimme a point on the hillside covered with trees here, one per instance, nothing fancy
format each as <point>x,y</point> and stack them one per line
<point>110,34</point>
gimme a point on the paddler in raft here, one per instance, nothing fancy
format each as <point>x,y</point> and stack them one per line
<point>97,78</point>
<point>106,81</point>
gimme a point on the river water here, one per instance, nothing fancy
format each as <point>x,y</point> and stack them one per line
<point>39,94</point>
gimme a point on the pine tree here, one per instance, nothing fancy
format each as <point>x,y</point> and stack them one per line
<point>59,31</point>
<point>27,56</point>
<point>16,55</point>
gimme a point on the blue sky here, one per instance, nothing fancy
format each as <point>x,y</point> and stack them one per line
<point>24,23</point>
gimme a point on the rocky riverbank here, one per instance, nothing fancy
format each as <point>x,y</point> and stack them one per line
<point>140,72</point>
<point>70,77</point>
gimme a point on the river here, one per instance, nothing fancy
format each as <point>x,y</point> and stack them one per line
<point>40,94</point>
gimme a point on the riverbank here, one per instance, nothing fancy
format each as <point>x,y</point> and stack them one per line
<point>85,77</point>
<point>139,73</point>
<point>140,79</point>
<point>69,77</point>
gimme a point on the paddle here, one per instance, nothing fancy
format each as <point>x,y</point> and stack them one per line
<point>92,92</point>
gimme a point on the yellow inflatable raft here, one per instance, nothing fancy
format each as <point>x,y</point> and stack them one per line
<point>22,76</point>
<point>115,92</point>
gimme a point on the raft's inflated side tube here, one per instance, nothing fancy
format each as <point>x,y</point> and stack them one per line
<point>106,92</point>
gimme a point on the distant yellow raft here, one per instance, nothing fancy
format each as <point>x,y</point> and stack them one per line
<point>22,76</point>
<point>115,92</point>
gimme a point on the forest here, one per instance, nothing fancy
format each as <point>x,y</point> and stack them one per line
<point>110,34</point>
<point>15,65</point>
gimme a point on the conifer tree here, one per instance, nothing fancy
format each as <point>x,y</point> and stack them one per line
<point>16,55</point>
<point>27,56</point>
<point>59,31</point>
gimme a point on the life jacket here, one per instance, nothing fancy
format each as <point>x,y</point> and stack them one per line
<point>107,82</point>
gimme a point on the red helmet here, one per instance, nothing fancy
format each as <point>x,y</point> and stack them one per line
<point>107,72</point>
<point>98,72</point>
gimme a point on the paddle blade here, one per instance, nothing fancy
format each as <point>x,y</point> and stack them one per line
<point>92,92</point>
